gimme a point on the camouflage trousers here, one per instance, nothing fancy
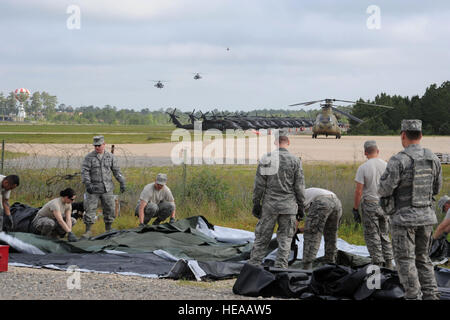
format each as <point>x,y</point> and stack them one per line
<point>415,269</point>
<point>324,216</point>
<point>376,232</point>
<point>49,227</point>
<point>90,204</point>
<point>162,211</point>
<point>263,234</point>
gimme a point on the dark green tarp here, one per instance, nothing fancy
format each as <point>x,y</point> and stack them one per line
<point>180,239</point>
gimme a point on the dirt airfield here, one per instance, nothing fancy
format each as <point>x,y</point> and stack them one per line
<point>348,149</point>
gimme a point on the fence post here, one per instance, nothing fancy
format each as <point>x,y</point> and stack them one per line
<point>3,155</point>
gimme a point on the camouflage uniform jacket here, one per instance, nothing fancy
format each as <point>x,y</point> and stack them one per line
<point>397,181</point>
<point>279,183</point>
<point>98,173</point>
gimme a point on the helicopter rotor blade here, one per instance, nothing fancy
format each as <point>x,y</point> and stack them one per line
<point>366,103</point>
<point>305,103</point>
<point>348,115</point>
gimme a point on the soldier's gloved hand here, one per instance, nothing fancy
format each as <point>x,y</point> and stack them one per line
<point>11,221</point>
<point>89,189</point>
<point>122,188</point>
<point>257,210</point>
<point>356,215</point>
<point>300,213</point>
<point>71,237</point>
<point>172,220</point>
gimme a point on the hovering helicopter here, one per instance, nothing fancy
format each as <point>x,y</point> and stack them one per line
<point>326,122</point>
<point>159,84</point>
<point>197,76</point>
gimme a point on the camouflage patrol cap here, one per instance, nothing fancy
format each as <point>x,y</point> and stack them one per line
<point>442,201</point>
<point>161,178</point>
<point>281,133</point>
<point>98,140</point>
<point>370,143</point>
<point>412,125</point>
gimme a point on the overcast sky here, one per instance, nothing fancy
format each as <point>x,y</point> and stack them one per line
<point>281,51</point>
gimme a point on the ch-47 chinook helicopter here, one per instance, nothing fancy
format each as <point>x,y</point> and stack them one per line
<point>326,122</point>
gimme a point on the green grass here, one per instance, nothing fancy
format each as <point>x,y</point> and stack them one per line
<point>222,194</point>
<point>73,138</point>
<point>80,134</point>
<point>82,128</point>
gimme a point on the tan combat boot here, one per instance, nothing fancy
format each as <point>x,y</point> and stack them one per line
<point>88,232</point>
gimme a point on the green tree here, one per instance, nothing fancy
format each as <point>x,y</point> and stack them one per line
<point>49,103</point>
<point>36,104</point>
<point>11,104</point>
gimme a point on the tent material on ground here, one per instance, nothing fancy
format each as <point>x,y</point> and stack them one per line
<point>190,248</point>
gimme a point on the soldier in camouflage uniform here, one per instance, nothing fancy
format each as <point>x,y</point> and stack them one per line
<point>6,185</point>
<point>375,222</point>
<point>278,195</point>
<point>96,173</point>
<point>444,227</point>
<point>412,177</point>
<point>324,216</point>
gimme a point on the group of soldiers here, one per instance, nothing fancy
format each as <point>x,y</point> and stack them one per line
<point>396,198</point>
<point>55,219</point>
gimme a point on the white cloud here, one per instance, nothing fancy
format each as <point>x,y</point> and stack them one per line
<point>280,51</point>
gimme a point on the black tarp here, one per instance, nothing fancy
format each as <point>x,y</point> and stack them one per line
<point>23,215</point>
<point>440,249</point>
<point>141,264</point>
<point>328,282</point>
<point>262,281</point>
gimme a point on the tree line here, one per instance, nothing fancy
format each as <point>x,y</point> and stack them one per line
<point>433,108</point>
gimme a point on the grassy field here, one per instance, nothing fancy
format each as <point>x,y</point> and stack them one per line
<point>222,194</point>
<point>81,128</point>
<point>79,134</point>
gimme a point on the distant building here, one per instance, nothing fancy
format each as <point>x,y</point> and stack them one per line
<point>21,114</point>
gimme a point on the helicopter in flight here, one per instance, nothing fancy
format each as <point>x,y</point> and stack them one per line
<point>197,76</point>
<point>326,122</point>
<point>159,83</point>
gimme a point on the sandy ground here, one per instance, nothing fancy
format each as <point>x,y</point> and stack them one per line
<point>46,284</point>
<point>347,149</point>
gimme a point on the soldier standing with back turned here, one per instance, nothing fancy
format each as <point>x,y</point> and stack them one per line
<point>96,173</point>
<point>412,177</point>
<point>278,196</point>
<point>375,222</point>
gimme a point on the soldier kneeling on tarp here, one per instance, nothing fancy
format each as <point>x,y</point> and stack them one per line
<point>156,200</point>
<point>55,217</point>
